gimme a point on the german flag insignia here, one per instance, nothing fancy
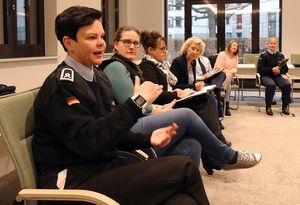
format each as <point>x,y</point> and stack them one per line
<point>72,100</point>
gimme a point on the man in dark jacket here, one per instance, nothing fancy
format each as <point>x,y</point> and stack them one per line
<point>78,130</point>
<point>270,69</point>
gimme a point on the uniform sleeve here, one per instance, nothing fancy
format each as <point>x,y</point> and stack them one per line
<point>89,136</point>
<point>120,80</point>
<point>262,66</point>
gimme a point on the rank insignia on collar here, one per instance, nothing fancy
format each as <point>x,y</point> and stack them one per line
<point>72,101</point>
<point>67,74</point>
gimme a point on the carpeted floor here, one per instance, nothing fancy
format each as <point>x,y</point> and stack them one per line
<point>276,180</point>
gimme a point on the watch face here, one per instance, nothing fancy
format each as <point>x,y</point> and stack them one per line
<point>140,100</point>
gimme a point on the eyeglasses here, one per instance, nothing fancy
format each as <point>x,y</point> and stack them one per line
<point>163,49</point>
<point>128,43</point>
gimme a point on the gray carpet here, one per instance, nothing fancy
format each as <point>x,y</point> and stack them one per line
<point>276,180</point>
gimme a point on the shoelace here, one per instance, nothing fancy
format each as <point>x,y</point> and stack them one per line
<point>244,156</point>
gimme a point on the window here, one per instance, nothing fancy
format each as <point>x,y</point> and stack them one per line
<point>228,35</point>
<point>170,5</point>
<point>21,28</point>
<point>239,21</point>
<point>272,24</point>
<point>178,20</point>
<point>179,5</point>
<point>227,21</point>
<point>270,15</point>
<point>251,22</point>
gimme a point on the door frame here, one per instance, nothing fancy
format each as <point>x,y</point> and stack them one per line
<point>221,20</point>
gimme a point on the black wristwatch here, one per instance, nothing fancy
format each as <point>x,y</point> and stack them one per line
<point>139,101</point>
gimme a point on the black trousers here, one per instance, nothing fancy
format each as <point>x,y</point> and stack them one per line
<point>271,83</point>
<point>173,180</point>
<point>216,79</point>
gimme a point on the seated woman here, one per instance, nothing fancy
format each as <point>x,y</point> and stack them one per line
<point>156,69</point>
<point>271,76</point>
<point>228,61</point>
<point>210,76</point>
<point>122,72</point>
<point>191,67</point>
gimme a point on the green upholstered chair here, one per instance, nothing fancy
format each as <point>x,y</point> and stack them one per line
<point>250,58</point>
<point>295,59</point>
<point>16,129</point>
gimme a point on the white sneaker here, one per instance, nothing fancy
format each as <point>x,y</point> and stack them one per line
<point>244,160</point>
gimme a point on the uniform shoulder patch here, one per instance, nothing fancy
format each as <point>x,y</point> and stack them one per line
<point>67,74</point>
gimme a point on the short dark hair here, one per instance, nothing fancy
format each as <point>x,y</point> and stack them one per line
<point>150,39</point>
<point>70,20</point>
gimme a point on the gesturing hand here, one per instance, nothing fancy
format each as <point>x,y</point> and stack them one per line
<point>147,90</point>
<point>162,136</point>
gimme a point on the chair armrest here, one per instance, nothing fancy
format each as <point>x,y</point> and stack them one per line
<point>138,155</point>
<point>141,154</point>
<point>65,195</point>
<point>257,80</point>
<point>288,75</point>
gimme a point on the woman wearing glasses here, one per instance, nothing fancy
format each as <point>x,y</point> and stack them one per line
<point>156,69</point>
<point>122,73</point>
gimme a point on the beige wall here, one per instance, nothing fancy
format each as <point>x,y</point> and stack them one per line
<point>290,27</point>
<point>143,14</point>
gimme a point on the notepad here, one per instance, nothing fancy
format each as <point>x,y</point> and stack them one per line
<point>201,92</point>
<point>283,62</point>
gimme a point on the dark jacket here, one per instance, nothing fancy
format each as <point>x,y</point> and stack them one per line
<point>155,75</point>
<point>78,128</point>
<point>179,69</point>
<point>267,61</point>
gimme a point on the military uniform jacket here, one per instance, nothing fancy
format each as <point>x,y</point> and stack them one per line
<point>267,61</point>
<point>78,128</point>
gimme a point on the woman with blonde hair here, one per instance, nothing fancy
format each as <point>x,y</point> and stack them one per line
<point>228,62</point>
<point>184,66</point>
<point>192,69</point>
